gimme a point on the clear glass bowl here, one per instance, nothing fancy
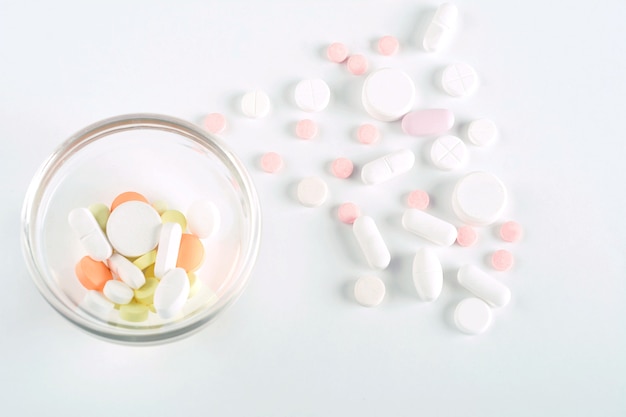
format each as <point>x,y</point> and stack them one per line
<point>165,159</point>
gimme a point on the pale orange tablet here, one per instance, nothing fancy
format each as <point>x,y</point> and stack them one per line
<point>190,253</point>
<point>92,274</point>
<point>127,196</point>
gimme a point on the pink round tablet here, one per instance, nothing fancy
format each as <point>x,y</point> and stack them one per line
<point>502,260</point>
<point>367,134</point>
<point>215,123</point>
<point>466,236</point>
<point>511,231</point>
<point>337,52</point>
<point>342,167</point>
<point>348,212</point>
<point>271,162</point>
<point>418,199</point>
<point>388,45</point>
<point>357,64</point>
<point>306,129</point>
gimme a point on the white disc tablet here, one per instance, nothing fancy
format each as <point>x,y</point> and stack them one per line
<point>133,228</point>
<point>312,95</point>
<point>369,291</point>
<point>482,132</point>
<point>459,80</point>
<point>472,316</point>
<point>448,153</point>
<point>312,191</point>
<point>388,94</point>
<point>255,104</point>
<point>479,198</point>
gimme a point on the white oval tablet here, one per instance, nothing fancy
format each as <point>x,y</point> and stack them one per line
<point>117,292</point>
<point>459,80</point>
<point>133,228</point>
<point>167,251</point>
<point>484,286</point>
<point>371,242</point>
<point>388,94</point>
<point>472,316</point>
<point>479,198</point>
<point>482,132</point>
<point>369,291</point>
<point>126,271</point>
<point>441,28</point>
<point>203,218</point>
<point>255,104</point>
<point>91,236</point>
<point>427,274</point>
<point>312,191</point>
<point>448,153</point>
<point>171,293</point>
<point>387,167</point>
<point>429,227</point>
<point>312,95</point>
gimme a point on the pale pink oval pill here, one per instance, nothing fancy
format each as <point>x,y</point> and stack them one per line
<point>418,199</point>
<point>502,260</point>
<point>357,64</point>
<point>342,167</point>
<point>427,122</point>
<point>306,129</point>
<point>466,236</point>
<point>215,123</point>
<point>388,45</point>
<point>271,162</point>
<point>511,231</point>
<point>337,52</point>
<point>367,134</point>
<point>348,212</point>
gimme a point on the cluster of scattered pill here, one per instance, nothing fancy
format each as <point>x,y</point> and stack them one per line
<point>478,200</point>
<point>140,257</point>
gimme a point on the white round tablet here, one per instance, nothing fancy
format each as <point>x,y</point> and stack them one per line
<point>133,228</point>
<point>388,94</point>
<point>369,291</point>
<point>479,198</point>
<point>312,95</point>
<point>472,316</point>
<point>312,191</point>
<point>482,132</point>
<point>459,80</point>
<point>448,153</point>
<point>203,218</point>
<point>255,104</point>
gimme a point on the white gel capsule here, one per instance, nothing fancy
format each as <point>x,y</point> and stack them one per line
<point>171,293</point>
<point>387,167</point>
<point>91,236</point>
<point>117,292</point>
<point>441,28</point>
<point>429,227</point>
<point>484,286</point>
<point>167,251</point>
<point>427,274</point>
<point>203,218</point>
<point>126,271</point>
<point>371,242</point>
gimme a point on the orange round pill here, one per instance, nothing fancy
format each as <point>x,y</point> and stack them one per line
<point>190,253</point>
<point>127,196</point>
<point>92,274</point>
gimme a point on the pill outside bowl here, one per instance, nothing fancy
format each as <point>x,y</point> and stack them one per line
<point>165,159</point>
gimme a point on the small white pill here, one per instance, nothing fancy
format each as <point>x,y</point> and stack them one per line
<point>312,191</point>
<point>429,227</point>
<point>427,274</point>
<point>479,198</point>
<point>484,286</point>
<point>369,291</point>
<point>90,234</point>
<point>312,95</point>
<point>117,292</point>
<point>448,153</point>
<point>388,94</point>
<point>96,304</point>
<point>167,251</point>
<point>472,316</point>
<point>387,167</point>
<point>441,28</point>
<point>203,218</point>
<point>133,228</point>
<point>459,80</point>
<point>371,242</point>
<point>126,271</point>
<point>482,132</point>
<point>171,293</point>
<point>255,104</point>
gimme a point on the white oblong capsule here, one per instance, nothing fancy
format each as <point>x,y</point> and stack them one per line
<point>118,292</point>
<point>484,286</point>
<point>441,28</point>
<point>171,293</point>
<point>126,271</point>
<point>387,167</point>
<point>91,236</point>
<point>429,227</point>
<point>167,251</point>
<point>427,274</point>
<point>371,242</point>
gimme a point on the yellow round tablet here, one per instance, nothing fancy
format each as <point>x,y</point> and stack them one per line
<point>174,216</point>
<point>145,294</point>
<point>145,260</point>
<point>134,312</point>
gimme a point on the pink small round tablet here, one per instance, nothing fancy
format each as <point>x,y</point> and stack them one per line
<point>502,260</point>
<point>342,167</point>
<point>357,64</point>
<point>271,162</point>
<point>215,123</point>
<point>348,212</point>
<point>418,199</point>
<point>337,52</point>
<point>511,231</point>
<point>306,129</point>
<point>388,45</point>
<point>367,134</point>
<point>466,236</point>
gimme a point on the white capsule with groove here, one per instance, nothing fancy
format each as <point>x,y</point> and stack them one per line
<point>371,242</point>
<point>387,167</point>
<point>427,274</point>
<point>91,236</point>
<point>484,286</point>
<point>441,28</point>
<point>429,227</point>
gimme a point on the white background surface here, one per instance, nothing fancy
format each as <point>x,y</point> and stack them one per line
<point>295,344</point>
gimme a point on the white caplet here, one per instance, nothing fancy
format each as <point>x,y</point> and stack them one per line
<point>484,286</point>
<point>429,227</point>
<point>126,271</point>
<point>91,236</point>
<point>387,167</point>
<point>167,251</point>
<point>441,28</point>
<point>171,293</point>
<point>371,242</point>
<point>427,274</point>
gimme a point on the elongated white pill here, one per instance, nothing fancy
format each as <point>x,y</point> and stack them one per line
<point>171,293</point>
<point>126,271</point>
<point>118,292</point>
<point>371,242</point>
<point>91,236</point>
<point>387,167</point>
<point>167,251</point>
<point>427,274</point>
<point>484,286</point>
<point>441,28</point>
<point>429,227</point>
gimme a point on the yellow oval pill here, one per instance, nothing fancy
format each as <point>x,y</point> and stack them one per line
<point>134,312</point>
<point>101,213</point>
<point>145,294</point>
<point>160,206</point>
<point>145,260</point>
<point>174,216</point>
